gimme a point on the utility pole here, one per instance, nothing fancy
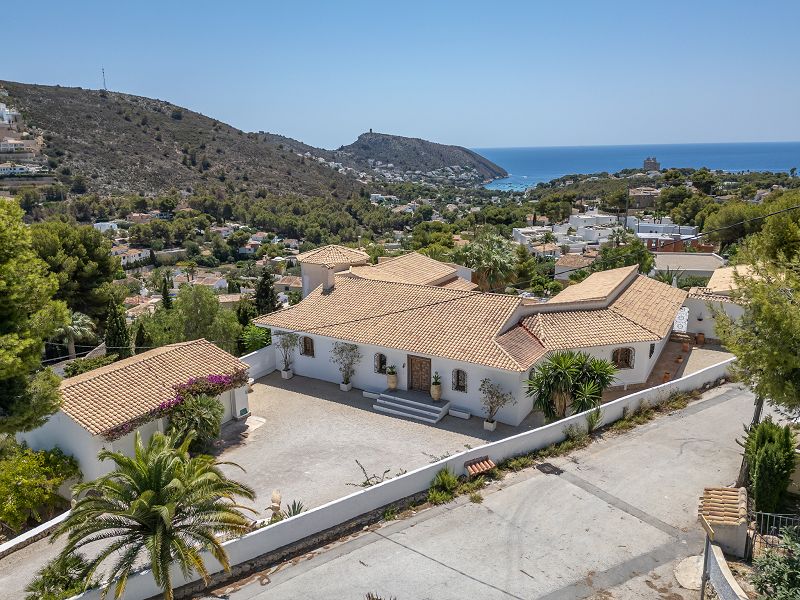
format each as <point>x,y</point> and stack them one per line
<point>104,78</point>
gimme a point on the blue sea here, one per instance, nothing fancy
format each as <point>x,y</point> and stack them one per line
<point>529,166</point>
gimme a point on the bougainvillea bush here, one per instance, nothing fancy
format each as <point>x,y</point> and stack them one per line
<point>211,385</point>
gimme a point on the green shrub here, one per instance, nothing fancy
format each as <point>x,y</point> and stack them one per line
<point>82,365</point>
<point>593,420</point>
<point>254,338</point>
<point>471,485</point>
<point>29,482</point>
<point>445,481</point>
<point>201,414</point>
<point>777,572</point>
<point>476,498</point>
<point>770,453</point>
<point>518,463</point>
<point>438,496</point>
<point>62,577</point>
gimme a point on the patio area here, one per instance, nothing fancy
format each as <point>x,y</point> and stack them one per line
<point>697,358</point>
<point>304,436</point>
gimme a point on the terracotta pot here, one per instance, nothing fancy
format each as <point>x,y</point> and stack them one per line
<point>436,391</point>
<point>685,346</point>
<point>391,381</point>
<point>679,359</point>
<point>667,376</point>
<point>490,425</point>
<point>701,339</point>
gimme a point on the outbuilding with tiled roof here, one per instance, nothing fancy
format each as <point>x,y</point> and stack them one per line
<point>105,407</point>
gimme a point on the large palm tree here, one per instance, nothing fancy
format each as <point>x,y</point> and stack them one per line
<point>492,259</point>
<point>569,381</point>
<point>162,505</point>
<point>80,327</point>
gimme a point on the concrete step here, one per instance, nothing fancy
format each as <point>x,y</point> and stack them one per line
<point>400,413</point>
<point>398,405</point>
<point>413,409</point>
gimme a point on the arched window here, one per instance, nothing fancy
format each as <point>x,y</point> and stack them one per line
<point>459,380</point>
<point>307,346</point>
<point>380,363</point>
<point>622,358</point>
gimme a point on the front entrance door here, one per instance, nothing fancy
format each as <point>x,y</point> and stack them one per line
<point>419,373</point>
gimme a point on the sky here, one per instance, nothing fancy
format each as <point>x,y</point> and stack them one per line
<point>478,74</point>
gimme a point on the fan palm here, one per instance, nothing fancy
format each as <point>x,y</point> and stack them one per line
<point>569,380</point>
<point>80,327</point>
<point>162,505</point>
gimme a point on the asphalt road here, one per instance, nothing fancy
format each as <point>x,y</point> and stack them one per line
<point>612,525</point>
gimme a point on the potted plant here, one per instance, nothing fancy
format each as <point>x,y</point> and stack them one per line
<point>436,387</point>
<point>494,398</point>
<point>701,339</point>
<point>391,377</point>
<point>287,342</point>
<point>345,356</point>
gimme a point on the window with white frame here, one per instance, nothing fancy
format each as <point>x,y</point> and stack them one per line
<point>459,380</point>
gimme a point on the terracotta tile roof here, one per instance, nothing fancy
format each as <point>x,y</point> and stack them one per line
<point>724,506</point>
<point>521,346</point>
<point>644,311</point>
<point>597,286</point>
<point>291,281</point>
<point>412,267</point>
<point>459,283</point>
<point>704,293</point>
<point>110,396</point>
<point>577,261</point>
<point>722,280</point>
<point>332,255</point>
<point>415,318</point>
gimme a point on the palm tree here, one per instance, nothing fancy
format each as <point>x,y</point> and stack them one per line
<point>80,327</point>
<point>569,380</point>
<point>547,238</point>
<point>491,257</point>
<point>162,505</point>
<point>668,276</point>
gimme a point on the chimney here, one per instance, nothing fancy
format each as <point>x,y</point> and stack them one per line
<point>327,284</point>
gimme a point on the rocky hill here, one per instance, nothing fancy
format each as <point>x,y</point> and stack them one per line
<point>124,143</point>
<point>404,155</point>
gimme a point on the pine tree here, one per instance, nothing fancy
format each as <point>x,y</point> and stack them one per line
<point>143,342</point>
<point>245,311</point>
<point>166,300</point>
<point>118,338</point>
<point>266,299</point>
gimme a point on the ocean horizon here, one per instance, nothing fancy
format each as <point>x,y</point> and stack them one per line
<point>528,166</point>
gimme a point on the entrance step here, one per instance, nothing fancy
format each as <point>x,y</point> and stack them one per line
<point>404,405</point>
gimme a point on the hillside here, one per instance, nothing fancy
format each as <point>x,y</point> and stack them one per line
<point>409,155</point>
<point>125,143</point>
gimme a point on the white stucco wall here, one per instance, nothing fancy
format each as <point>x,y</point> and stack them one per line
<point>365,377</point>
<point>643,363</point>
<point>701,309</point>
<point>60,431</point>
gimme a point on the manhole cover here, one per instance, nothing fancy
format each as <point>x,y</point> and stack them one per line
<point>549,469</point>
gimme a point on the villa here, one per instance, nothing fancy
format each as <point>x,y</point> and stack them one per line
<point>466,336</point>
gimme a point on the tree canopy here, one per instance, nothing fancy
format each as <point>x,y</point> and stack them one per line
<point>28,316</point>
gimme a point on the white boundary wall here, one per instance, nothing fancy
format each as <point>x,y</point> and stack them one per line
<point>262,362</point>
<point>316,520</point>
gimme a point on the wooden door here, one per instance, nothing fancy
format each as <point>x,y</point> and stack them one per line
<point>419,373</point>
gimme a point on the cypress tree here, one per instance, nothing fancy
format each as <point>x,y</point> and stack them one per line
<point>266,299</point>
<point>143,342</point>
<point>166,300</point>
<point>118,338</point>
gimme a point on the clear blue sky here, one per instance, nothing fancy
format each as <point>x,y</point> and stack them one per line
<point>479,74</point>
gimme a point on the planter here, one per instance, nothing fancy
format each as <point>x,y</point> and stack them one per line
<point>287,374</point>
<point>685,346</point>
<point>345,387</point>
<point>391,381</point>
<point>701,339</point>
<point>436,392</point>
<point>679,359</point>
<point>490,425</point>
<point>667,376</point>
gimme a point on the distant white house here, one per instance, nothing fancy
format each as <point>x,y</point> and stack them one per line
<point>103,226</point>
<point>466,336</point>
<point>717,295</point>
<point>105,407</point>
